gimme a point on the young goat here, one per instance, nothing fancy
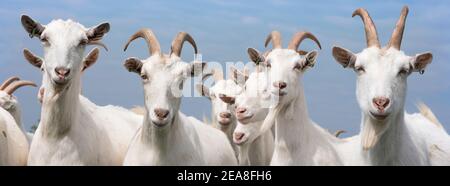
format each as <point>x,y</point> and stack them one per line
<point>389,136</point>
<point>11,104</point>
<point>73,130</point>
<point>252,107</point>
<point>222,96</point>
<point>167,136</point>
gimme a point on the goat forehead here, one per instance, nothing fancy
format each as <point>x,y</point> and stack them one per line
<point>64,29</point>
<point>283,56</point>
<point>156,65</point>
<point>382,58</point>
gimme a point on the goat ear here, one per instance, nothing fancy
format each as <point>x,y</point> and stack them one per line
<point>420,62</point>
<point>133,65</point>
<point>196,68</point>
<point>203,90</point>
<point>96,33</point>
<point>311,57</point>
<point>255,56</point>
<point>239,77</point>
<point>344,57</point>
<point>91,58</point>
<point>32,27</point>
<point>32,58</point>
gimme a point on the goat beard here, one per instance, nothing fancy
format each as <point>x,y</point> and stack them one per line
<point>270,118</point>
<point>371,133</point>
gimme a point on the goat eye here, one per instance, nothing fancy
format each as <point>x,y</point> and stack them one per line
<point>403,71</point>
<point>360,69</point>
<point>144,77</point>
<point>297,66</point>
<point>45,40</point>
<point>83,42</point>
<point>181,85</point>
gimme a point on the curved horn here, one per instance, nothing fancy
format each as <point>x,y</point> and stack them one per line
<point>98,43</point>
<point>275,37</point>
<point>339,132</point>
<point>150,38</point>
<point>369,27</point>
<point>397,35</point>
<point>299,37</point>
<point>13,87</point>
<point>7,82</point>
<point>177,43</point>
<point>206,76</point>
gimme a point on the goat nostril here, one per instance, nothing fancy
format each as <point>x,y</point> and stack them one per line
<point>280,84</point>
<point>241,110</point>
<point>238,136</point>
<point>62,71</point>
<point>225,114</point>
<point>381,102</point>
<point>161,113</point>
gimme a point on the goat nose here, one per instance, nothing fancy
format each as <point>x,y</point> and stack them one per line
<point>238,136</point>
<point>241,110</point>
<point>62,71</point>
<point>161,113</point>
<point>225,115</point>
<point>380,103</point>
<point>280,84</point>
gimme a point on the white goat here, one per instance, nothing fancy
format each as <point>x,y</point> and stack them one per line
<point>298,140</point>
<point>252,107</point>
<point>389,136</point>
<point>13,142</point>
<point>11,104</point>
<point>73,130</point>
<point>167,136</point>
<point>222,96</point>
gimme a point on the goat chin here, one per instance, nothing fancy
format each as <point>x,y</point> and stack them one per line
<point>371,134</point>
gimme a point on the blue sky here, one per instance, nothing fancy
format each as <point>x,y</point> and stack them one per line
<point>223,31</point>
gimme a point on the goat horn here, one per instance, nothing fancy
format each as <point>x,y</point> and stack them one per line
<point>299,37</point>
<point>13,87</point>
<point>7,82</point>
<point>339,132</point>
<point>369,27</point>
<point>275,37</point>
<point>177,43</point>
<point>98,43</point>
<point>150,38</point>
<point>397,35</point>
<point>206,76</point>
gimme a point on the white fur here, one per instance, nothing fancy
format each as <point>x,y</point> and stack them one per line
<point>400,138</point>
<point>229,88</point>
<point>11,104</point>
<point>13,142</point>
<point>73,130</point>
<point>298,140</point>
<point>175,139</point>
<point>254,148</point>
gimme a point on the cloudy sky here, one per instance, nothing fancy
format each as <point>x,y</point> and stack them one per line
<point>223,31</point>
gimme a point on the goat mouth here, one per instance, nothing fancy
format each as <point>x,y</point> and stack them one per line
<point>379,116</point>
<point>159,124</point>
<point>60,81</point>
<point>244,119</point>
<point>279,93</point>
<point>224,121</point>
